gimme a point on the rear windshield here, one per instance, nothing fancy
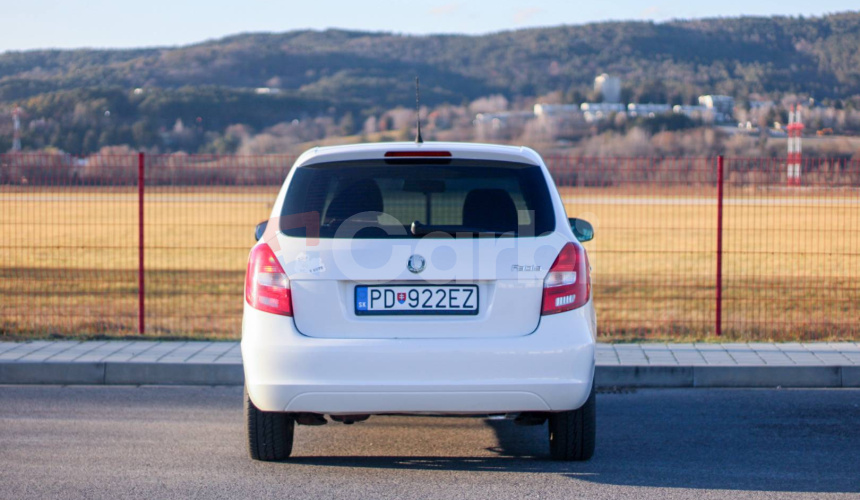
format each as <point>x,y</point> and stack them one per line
<point>461,198</point>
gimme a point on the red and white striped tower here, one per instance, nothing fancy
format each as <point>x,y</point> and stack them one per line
<point>16,139</point>
<point>795,147</point>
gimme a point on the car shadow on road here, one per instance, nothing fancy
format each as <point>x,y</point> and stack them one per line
<point>783,441</point>
<point>456,464</point>
<point>751,440</point>
<point>518,449</point>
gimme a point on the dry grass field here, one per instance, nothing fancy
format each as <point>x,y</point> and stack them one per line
<point>791,266</point>
<point>791,263</point>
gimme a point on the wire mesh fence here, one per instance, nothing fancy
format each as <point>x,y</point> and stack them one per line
<point>654,256</point>
<point>792,252</point>
<point>72,263</point>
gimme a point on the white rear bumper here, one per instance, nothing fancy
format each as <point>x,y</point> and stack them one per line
<point>549,370</point>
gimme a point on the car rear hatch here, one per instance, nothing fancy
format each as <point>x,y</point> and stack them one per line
<point>417,249</point>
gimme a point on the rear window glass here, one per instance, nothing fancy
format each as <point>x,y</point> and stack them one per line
<point>463,198</point>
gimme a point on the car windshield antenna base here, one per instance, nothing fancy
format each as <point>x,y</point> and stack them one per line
<point>418,138</point>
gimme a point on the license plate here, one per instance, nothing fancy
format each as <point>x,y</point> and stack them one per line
<point>408,299</point>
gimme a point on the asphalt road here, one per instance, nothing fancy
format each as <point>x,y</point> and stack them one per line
<point>188,442</point>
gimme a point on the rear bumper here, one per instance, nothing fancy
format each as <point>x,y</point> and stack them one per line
<point>549,370</point>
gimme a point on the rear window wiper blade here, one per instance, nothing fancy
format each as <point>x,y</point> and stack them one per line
<point>419,229</point>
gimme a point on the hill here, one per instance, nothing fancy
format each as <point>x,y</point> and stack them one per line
<point>337,72</point>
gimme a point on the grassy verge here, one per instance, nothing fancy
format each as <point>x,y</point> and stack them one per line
<point>791,267</point>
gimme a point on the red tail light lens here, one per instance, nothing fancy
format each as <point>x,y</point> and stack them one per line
<point>267,286</point>
<point>567,286</point>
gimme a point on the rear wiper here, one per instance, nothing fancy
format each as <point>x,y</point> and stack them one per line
<point>419,229</point>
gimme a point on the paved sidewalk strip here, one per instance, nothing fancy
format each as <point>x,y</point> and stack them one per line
<point>135,362</point>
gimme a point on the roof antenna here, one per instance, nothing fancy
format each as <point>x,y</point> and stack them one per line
<point>418,138</point>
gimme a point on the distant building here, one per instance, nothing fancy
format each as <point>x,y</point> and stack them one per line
<point>687,110</point>
<point>700,112</point>
<point>499,120</point>
<point>723,105</point>
<point>558,120</point>
<point>648,110</point>
<point>505,125</point>
<point>609,87</point>
<point>606,107</point>
<point>556,109</point>
<point>596,111</point>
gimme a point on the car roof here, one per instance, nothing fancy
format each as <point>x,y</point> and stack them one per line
<point>376,151</point>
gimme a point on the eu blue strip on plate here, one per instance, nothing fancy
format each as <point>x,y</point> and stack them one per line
<point>361,298</point>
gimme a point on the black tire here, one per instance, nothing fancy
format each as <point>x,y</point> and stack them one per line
<point>572,433</point>
<point>270,434</point>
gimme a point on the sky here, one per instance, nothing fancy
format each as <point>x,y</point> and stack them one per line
<point>31,24</point>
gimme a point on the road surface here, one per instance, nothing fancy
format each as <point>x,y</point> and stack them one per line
<point>188,442</point>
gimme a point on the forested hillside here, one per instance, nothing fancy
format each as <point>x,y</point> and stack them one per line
<point>339,73</point>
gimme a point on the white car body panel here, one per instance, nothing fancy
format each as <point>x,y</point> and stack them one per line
<point>549,370</point>
<point>508,358</point>
<point>331,269</point>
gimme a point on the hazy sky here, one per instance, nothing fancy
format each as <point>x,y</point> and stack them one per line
<point>28,24</point>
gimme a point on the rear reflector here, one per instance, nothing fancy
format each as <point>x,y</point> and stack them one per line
<point>267,286</point>
<point>418,154</point>
<point>567,286</point>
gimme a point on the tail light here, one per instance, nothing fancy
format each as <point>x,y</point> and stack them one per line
<point>567,286</point>
<point>418,154</point>
<point>267,286</point>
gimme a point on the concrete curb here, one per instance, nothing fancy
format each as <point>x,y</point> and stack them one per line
<point>644,376</point>
<point>851,376</point>
<point>173,374</point>
<point>52,373</point>
<point>768,376</point>
<point>637,376</point>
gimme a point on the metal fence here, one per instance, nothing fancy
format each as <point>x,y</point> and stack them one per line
<point>686,247</point>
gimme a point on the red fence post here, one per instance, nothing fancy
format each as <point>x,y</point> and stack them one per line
<point>141,313</point>
<point>718,326</point>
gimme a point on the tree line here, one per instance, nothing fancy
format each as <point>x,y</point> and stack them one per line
<point>185,98</point>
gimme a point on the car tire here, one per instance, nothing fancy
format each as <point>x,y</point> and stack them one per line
<point>572,433</point>
<point>270,434</point>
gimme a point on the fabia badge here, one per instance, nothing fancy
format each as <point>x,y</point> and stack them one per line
<point>415,263</point>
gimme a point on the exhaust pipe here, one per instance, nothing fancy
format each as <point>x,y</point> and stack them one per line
<point>309,419</point>
<point>349,419</point>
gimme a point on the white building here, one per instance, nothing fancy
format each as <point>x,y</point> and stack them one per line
<point>723,105</point>
<point>505,125</point>
<point>648,110</point>
<point>553,121</point>
<point>609,87</point>
<point>541,109</point>
<point>704,113</point>
<point>596,111</point>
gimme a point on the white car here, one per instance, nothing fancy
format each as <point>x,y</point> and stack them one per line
<point>431,278</point>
